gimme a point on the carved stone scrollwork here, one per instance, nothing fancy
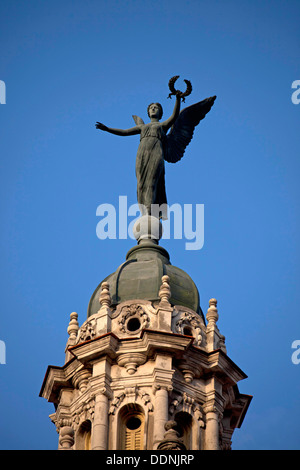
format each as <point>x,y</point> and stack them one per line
<point>211,408</point>
<point>199,416</point>
<point>131,393</point>
<point>225,442</point>
<point>65,429</point>
<point>133,318</point>
<point>87,331</point>
<point>146,400</point>
<point>53,420</point>
<point>157,386</point>
<point>192,322</point>
<point>60,421</point>
<point>188,404</point>
<point>84,412</point>
<point>116,402</point>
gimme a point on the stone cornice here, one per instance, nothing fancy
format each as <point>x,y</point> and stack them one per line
<point>217,362</point>
<point>240,406</point>
<point>59,377</point>
<point>148,342</point>
<point>55,379</point>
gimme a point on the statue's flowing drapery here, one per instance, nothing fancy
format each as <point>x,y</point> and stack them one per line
<point>150,168</point>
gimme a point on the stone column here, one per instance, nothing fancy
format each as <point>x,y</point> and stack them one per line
<point>100,423</point>
<point>212,440</point>
<point>161,414</point>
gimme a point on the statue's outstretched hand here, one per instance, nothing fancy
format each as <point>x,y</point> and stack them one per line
<point>100,126</point>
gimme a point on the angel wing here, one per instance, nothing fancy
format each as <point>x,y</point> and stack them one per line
<point>182,131</point>
<point>138,120</point>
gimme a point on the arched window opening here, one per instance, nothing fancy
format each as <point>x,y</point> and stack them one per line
<point>184,427</point>
<point>132,428</point>
<point>83,437</point>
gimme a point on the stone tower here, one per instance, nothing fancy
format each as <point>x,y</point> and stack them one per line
<point>147,369</point>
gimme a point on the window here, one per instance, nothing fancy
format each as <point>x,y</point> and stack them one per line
<point>83,437</point>
<point>133,324</point>
<point>87,443</point>
<point>184,427</point>
<point>132,429</point>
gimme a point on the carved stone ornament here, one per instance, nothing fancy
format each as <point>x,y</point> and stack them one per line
<point>83,413</point>
<point>133,318</point>
<point>115,403</point>
<point>188,405</point>
<point>131,361</point>
<point>165,291</point>
<point>132,394</point>
<point>193,322</point>
<point>146,399</point>
<point>60,421</point>
<point>87,331</point>
<point>81,379</point>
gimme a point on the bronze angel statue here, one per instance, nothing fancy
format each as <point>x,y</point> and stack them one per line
<point>162,141</point>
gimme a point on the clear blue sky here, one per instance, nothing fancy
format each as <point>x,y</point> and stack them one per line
<point>68,64</point>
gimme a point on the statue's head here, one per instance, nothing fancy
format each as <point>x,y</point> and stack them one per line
<point>155,109</point>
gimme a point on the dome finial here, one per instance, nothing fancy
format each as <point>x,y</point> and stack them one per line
<point>165,291</point>
<point>72,330</point>
<point>73,326</point>
<point>105,298</point>
<point>212,315</point>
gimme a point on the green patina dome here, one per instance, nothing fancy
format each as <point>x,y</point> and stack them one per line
<point>139,277</point>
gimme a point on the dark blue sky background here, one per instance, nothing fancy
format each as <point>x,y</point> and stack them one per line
<point>68,64</point>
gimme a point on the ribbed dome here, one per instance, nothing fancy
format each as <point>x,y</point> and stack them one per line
<point>140,278</point>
